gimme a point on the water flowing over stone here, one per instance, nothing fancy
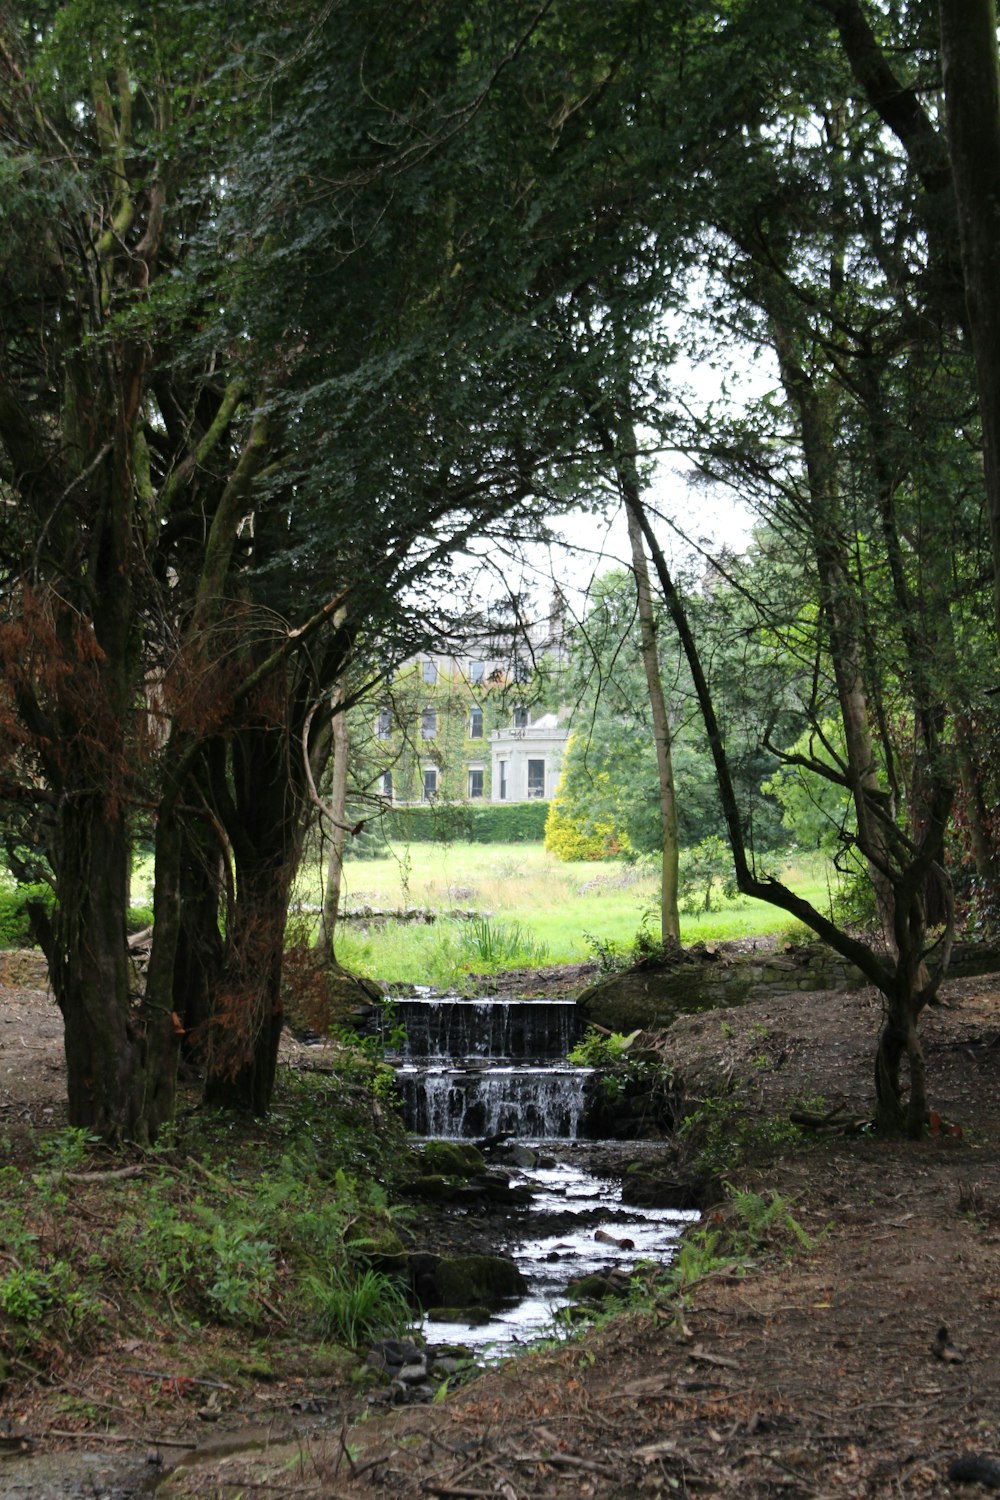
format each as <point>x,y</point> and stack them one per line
<point>476,1068</point>
<point>453,1029</point>
<point>537,1103</point>
<point>483,1069</point>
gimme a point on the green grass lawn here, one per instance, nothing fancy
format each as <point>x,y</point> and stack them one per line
<point>540,909</point>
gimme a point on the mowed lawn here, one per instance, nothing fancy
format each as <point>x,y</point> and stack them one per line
<point>557,910</point>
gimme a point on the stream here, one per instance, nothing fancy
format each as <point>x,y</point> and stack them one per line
<point>470,1069</point>
<point>475,1069</point>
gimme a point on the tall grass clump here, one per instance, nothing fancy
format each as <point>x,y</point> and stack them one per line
<point>354,1307</point>
<point>492,945</point>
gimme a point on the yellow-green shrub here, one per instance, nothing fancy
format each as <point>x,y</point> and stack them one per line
<point>572,837</point>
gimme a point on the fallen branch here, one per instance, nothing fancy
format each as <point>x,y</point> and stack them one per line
<point>457,1490</point>
<point>213,1385</point>
<point>703,1357</point>
<point>112,1175</point>
<point>92,1435</point>
<point>833,1120</point>
<point>565,1461</point>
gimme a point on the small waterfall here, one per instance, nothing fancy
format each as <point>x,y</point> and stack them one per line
<point>450,1029</point>
<point>476,1068</point>
<point>537,1103</point>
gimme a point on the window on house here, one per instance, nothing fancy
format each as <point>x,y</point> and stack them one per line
<point>536,778</point>
<point>502,769</point>
<point>475,781</point>
<point>430,783</point>
<point>383,724</point>
<point>477,671</point>
<point>385,785</point>
<point>520,718</point>
<point>476,724</point>
<point>428,724</point>
<point>430,671</point>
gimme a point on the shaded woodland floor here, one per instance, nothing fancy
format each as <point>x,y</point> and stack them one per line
<point>814,1372</point>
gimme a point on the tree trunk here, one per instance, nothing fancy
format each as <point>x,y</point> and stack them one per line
<point>335,862</point>
<point>263,812</point>
<point>898,982</point>
<point>840,609</point>
<point>87,951</point>
<point>670,924</point>
<point>972,94</point>
<point>977,813</point>
<point>248,1016</point>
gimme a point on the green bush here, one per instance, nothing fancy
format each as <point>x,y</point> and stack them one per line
<point>572,837</point>
<point>15,926</point>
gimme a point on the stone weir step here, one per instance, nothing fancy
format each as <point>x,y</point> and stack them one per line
<point>449,1028</point>
<point>539,1103</point>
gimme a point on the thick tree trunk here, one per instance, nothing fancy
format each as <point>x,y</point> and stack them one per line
<point>972,92</point>
<point>199,954</point>
<point>896,1112</point>
<point>264,815</point>
<point>246,1026</point>
<point>87,951</point>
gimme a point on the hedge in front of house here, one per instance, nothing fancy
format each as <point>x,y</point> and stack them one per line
<point>509,823</point>
<point>451,822</point>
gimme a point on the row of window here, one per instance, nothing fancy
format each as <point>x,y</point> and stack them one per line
<point>475,782</point>
<point>429,723</point>
<point>429,671</point>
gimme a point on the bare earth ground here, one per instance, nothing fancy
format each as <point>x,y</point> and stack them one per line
<point>814,1375</point>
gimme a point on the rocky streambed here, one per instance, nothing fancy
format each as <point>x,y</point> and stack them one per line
<point>532,1242</point>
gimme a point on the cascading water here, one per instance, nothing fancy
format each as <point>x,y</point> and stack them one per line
<point>479,1068</point>
<point>482,1069</point>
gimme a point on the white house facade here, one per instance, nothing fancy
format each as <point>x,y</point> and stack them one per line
<point>527,759</point>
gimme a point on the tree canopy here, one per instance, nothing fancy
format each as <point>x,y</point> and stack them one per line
<point>299,303</point>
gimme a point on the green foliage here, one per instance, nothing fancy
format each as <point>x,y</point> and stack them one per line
<point>513,823</point>
<point>624,1073</point>
<point>752,1225</point>
<point>354,1306</point>
<point>765,1222</point>
<point>814,809</point>
<point>448,822</point>
<point>599,1049</point>
<point>15,924</point>
<point>707,879</point>
<point>243,1271</point>
<point>572,832</point>
<point>490,945</point>
<point>616,958</point>
<point>65,1150</point>
<point>722,1137</point>
<point>47,1301</point>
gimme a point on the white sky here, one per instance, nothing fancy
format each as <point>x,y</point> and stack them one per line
<point>711,516</point>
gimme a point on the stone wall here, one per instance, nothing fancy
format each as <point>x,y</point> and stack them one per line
<point>709,979</point>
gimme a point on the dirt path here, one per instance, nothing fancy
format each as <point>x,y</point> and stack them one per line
<point>816,1373</point>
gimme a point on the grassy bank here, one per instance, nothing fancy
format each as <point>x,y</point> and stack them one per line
<point>236,1250</point>
<point>535,909</point>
